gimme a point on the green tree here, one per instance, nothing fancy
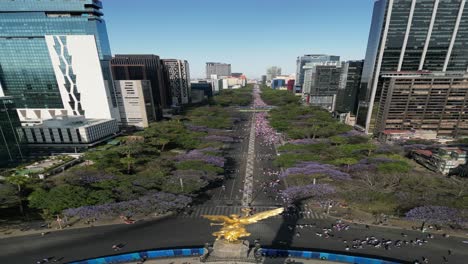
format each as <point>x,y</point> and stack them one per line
<point>8,196</point>
<point>346,161</point>
<point>162,142</point>
<point>129,150</point>
<point>59,198</point>
<point>19,182</point>
<point>338,140</point>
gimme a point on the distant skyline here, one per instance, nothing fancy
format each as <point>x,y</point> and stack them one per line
<point>252,35</point>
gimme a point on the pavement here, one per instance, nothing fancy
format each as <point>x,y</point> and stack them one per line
<point>190,230</point>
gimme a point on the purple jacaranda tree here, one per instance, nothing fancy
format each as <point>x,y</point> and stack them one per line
<point>314,168</point>
<point>224,139</point>
<point>435,215</point>
<point>210,150</point>
<point>296,193</point>
<point>156,202</point>
<point>352,133</point>
<point>362,167</point>
<point>197,128</point>
<point>197,155</point>
<point>87,176</point>
<point>368,164</point>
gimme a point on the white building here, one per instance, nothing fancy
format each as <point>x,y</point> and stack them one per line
<point>71,131</point>
<point>83,90</point>
<point>217,68</point>
<point>135,102</point>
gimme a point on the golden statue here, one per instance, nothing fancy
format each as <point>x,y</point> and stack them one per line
<point>234,226</point>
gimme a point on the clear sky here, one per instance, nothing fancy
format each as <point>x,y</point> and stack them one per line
<point>250,34</point>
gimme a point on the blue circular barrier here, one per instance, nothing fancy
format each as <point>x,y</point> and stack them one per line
<point>191,252</point>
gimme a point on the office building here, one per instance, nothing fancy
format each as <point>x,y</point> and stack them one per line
<point>234,82</point>
<point>424,101</point>
<point>310,58</point>
<point>277,84</point>
<point>347,96</point>
<point>11,137</point>
<point>290,84</point>
<point>322,81</point>
<point>55,59</point>
<point>273,72</point>
<point>178,79</point>
<point>204,86</point>
<point>264,79</point>
<point>136,104</point>
<point>217,68</point>
<point>217,85</point>
<point>408,39</point>
<point>72,131</point>
<point>144,67</point>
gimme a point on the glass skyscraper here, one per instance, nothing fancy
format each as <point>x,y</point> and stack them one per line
<point>310,58</point>
<point>48,61</point>
<point>411,36</point>
<point>11,138</point>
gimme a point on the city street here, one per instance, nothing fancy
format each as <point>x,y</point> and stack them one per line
<point>191,230</point>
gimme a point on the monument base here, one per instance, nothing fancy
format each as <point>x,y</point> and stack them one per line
<point>225,252</point>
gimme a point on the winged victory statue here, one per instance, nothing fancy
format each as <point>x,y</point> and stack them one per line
<point>233,226</point>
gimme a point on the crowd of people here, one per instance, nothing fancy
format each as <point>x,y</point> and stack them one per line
<point>263,130</point>
<point>369,241</point>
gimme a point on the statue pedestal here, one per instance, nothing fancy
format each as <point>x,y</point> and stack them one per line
<point>225,252</point>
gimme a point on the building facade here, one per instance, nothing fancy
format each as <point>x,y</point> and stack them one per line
<point>71,131</point>
<point>144,67</point>
<point>11,137</point>
<point>217,68</point>
<point>310,58</point>
<point>290,85</point>
<point>178,79</point>
<point>322,81</point>
<point>278,83</point>
<point>136,104</point>
<point>444,159</point>
<point>347,96</point>
<point>273,72</point>
<point>411,36</point>
<point>205,87</point>
<point>424,101</point>
<point>55,59</point>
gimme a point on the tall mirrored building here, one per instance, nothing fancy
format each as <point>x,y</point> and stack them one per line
<point>11,136</point>
<point>310,58</point>
<point>408,40</point>
<point>55,59</point>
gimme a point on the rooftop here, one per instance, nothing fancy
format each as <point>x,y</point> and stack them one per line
<point>68,122</point>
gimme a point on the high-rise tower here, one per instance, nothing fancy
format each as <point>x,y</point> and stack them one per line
<point>55,59</point>
<point>408,40</point>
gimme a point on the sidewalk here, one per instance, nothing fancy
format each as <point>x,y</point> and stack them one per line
<point>6,232</point>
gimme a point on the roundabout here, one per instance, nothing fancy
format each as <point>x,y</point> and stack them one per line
<point>192,256</point>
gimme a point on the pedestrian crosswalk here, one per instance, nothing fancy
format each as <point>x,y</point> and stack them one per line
<point>197,212</point>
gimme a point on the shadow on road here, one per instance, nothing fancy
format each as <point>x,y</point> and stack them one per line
<point>286,232</point>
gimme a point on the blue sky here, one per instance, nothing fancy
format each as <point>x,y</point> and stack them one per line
<point>250,34</point>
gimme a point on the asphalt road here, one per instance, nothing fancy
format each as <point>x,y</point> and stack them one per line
<point>192,230</point>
